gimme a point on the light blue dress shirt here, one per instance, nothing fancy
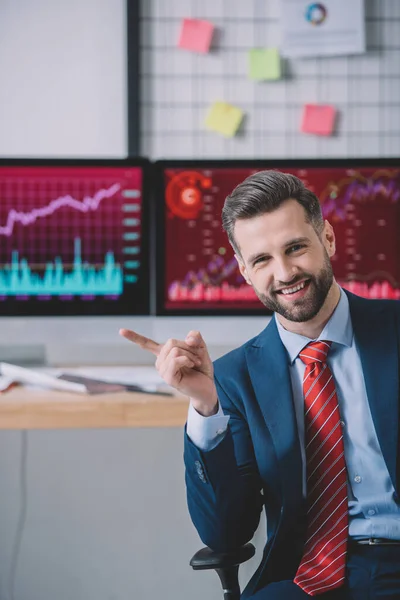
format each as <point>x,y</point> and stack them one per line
<point>373,510</point>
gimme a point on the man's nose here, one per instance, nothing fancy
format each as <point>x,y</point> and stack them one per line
<point>285,271</point>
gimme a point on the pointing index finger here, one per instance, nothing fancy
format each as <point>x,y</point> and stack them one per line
<point>142,341</point>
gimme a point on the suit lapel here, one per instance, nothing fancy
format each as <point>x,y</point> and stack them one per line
<point>375,332</point>
<point>269,372</point>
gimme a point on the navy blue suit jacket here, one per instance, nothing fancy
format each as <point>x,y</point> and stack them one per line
<point>258,462</point>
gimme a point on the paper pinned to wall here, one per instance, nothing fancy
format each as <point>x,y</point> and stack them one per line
<point>196,35</point>
<point>318,119</point>
<point>264,64</point>
<point>224,118</point>
<point>331,27</point>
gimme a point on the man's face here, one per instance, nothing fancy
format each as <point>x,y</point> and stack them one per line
<point>285,261</point>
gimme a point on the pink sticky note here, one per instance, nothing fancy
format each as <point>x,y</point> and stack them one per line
<point>318,119</point>
<point>196,35</point>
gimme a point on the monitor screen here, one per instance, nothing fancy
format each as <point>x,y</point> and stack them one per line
<point>196,269</point>
<point>73,237</point>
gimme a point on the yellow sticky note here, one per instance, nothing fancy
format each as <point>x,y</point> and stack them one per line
<point>264,63</point>
<point>224,118</point>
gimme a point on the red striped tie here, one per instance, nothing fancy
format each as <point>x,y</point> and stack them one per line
<point>323,564</point>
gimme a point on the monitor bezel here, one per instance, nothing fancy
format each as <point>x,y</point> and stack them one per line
<point>161,165</point>
<point>57,308</point>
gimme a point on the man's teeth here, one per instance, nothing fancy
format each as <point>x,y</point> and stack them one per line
<point>294,289</point>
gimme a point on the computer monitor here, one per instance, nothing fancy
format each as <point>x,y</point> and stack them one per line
<point>74,237</point>
<point>196,269</point>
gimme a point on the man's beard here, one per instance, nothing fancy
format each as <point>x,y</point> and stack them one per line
<point>306,308</point>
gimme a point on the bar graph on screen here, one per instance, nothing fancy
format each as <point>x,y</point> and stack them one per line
<point>82,280</point>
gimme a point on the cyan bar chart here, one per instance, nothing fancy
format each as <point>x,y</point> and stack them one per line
<point>17,279</point>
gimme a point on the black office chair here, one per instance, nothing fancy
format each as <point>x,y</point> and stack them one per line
<point>226,565</point>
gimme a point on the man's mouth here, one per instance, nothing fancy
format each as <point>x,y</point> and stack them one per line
<point>295,290</point>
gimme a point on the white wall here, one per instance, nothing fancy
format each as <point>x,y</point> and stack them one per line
<point>63,78</point>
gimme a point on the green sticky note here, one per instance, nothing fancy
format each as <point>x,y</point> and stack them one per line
<point>264,63</point>
<point>224,118</point>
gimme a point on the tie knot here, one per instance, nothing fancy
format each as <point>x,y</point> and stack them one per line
<point>315,352</point>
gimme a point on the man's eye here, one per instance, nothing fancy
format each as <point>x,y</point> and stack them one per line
<point>296,247</point>
<point>262,258</point>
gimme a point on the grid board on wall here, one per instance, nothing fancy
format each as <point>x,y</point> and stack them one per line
<point>177,86</point>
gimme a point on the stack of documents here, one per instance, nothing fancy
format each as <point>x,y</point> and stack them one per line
<point>134,379</point>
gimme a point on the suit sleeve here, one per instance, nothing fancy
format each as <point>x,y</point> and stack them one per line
<point>223,484</point>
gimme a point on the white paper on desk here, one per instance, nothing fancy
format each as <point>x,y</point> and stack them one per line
<point>34,377</point>
<point>147,377</point>
<point>330,27</point>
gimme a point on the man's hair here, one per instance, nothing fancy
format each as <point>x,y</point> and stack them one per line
<point>264,192</point>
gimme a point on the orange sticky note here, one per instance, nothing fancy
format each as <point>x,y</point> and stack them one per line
<point>196,35</point>
<point>318,119</point>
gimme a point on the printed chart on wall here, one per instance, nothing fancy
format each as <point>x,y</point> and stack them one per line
<point>200,271</point>
<point>71,239</point>
<point>332,27</point>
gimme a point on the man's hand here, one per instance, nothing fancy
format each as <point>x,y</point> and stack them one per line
<point>184,365</point>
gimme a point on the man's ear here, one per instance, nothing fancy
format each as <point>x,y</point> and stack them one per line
<point>329,239</point>
<point>242,269</point>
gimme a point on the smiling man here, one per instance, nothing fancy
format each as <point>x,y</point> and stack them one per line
<point>306,423</point>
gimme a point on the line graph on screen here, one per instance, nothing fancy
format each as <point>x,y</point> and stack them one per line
<point>26,218</point>
<point>69,232</point>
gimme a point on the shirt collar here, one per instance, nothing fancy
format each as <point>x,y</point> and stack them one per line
<point>338,330</point>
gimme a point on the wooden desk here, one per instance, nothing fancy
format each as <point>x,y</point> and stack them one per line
<point>47,409</point>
